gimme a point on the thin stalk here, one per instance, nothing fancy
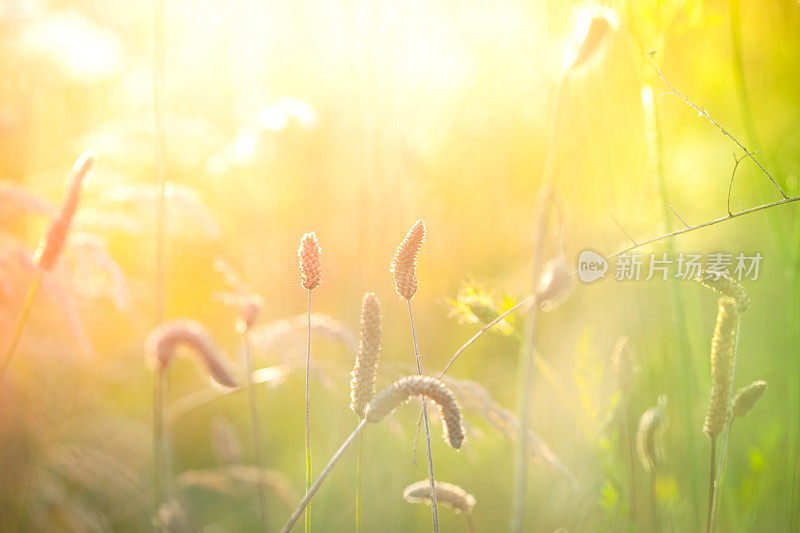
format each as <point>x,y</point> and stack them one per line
<point>654,501</point>
<point>680,342</point>
<point>258,451</point>
<point>470,522</point>
<point>308,411</point>
<point>359,505</point>
<point>335,459</point>
<point>631,456</point>
<point>528,346</point>
<point>24,314</point>
<point>712,465</point>
<point>159,61</point>
<point>434,509</point>
<point>159,462</point>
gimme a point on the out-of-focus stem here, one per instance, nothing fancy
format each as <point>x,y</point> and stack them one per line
<point>24,314</point>
<point>256,426</point>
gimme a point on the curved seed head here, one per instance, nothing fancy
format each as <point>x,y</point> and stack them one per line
<point>725,286</point>
<point>593,26</point>
<point>402,390</point>
<point>747,397</point>
<point>162,342</point>
<point>420,492</point>
<point>646,435</point>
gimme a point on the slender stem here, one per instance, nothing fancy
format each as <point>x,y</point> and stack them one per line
<point>631,456</point>
<point>654,501</point>
<point>711,485</point>
<point>434,509</point>
<point>681,350</point>
<point>308,411</point>
<point>310,493</point>
<point>258,451</point>
<point>470,522</point>
<point>159,60</point>
<point>27,305</point>
<point>159,462</point>
<point>359,505</point>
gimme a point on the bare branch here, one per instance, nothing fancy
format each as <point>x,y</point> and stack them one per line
<point>737,160</point>
<point>702,113</point>
<point>679,217</point>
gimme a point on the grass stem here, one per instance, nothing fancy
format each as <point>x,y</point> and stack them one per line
<point>308,410</point>
<point>24,314</point>
<point>327,470</point>
<point>258,451</point>
<point>359,494</point>
<point>434,509</point>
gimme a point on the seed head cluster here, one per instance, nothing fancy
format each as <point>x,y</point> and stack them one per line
<point>309,253</point>
<point>362,384</point>
<point>53,241</point>
<point>649,424</point>
<point>404,264</point>
<point>402,390</point>
<point>723,345</point>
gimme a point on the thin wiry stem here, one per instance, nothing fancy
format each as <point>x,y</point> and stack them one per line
<point>24,314</point>
<point>704,114</point>
<point>434,509</point>
<point>359,505</point>
<point>159,61</point>
<point>682,231</point>
<point>681,345</point>
<point>159,461</point>
<point>258,451</point>
<point>335,459</point>
<point>712,465</point>
<point>308,411</point>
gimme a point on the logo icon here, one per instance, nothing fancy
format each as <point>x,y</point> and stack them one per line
<point>591,266</point>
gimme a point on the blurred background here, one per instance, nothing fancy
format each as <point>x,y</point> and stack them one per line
<point>353,119</point>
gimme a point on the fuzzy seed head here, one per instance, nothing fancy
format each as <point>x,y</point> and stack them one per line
<point>162,342</point>
<point>747,397</point>
<point>593,27</point>
<point>402,390</point>
<point>309,253</point>
<point>460,500</point>
<point>555,284</point>
<point>727,287</point>
<point>646,436</point>
<point>404,264</point>
<point>723,346</point>
<point>53,241</point>
<point>362,382</point>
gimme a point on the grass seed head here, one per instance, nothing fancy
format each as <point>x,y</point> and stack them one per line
<point>460,500</point>
<point>723,346</point>
<point>727,287</point>
<point>646,435</point>
<point>362,384</point>
<point>403,389</point>
<point>593,27</point>
<point>555,283</point>
<point>404,263</point>
<point>747,397</point>
<point>162,342</point>
<point>53,241</point>
<point>309,253</point>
